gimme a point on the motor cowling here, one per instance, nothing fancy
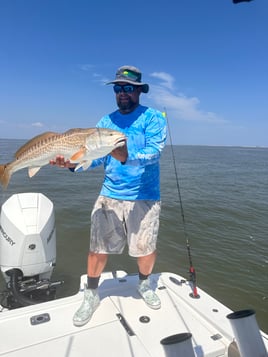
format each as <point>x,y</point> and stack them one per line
<point>27,244</point>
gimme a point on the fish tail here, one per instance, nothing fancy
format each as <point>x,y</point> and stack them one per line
<point>5,175</point>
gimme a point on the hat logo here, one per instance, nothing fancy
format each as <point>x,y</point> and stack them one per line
<point>129,74</point>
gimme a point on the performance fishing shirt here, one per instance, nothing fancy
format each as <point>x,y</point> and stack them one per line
<point>139,177</point>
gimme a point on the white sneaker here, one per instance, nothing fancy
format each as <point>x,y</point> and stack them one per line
<point>148,295</point>
<point>89,305</point>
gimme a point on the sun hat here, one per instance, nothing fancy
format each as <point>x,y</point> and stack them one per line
<point>132,75</point>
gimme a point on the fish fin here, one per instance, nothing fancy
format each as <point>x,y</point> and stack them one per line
<point>33,171</point>
<point>5,175</point>
<point>84,164</point>
<point>86,131</point>
<point>34,141</point>
<point>78,155</point>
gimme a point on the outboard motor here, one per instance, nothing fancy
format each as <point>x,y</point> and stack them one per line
<point>27,249</point>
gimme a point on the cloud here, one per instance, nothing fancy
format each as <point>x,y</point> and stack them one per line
<point>167,79</point>
<point>97,77</point>
<point>100,78</point>
<point>177,104</point>
<point>37,124</point>
<point>86,67</point>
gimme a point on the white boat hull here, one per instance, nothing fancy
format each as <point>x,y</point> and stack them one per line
<point>46,329</point>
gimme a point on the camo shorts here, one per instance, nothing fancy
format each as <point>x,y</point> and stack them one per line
<point>115,223</point>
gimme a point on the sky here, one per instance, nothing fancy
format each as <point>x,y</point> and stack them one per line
<point>206,62</point>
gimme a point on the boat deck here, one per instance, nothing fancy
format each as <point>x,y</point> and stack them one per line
<point>122,325</point>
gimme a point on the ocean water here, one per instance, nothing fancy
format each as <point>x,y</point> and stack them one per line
<point>224,196</point>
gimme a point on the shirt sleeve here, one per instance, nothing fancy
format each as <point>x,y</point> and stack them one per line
<point>155,138</point>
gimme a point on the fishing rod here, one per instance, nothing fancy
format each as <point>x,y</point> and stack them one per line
<point>192,272</point>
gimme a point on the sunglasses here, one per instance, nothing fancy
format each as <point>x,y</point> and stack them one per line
<point>128,88</point>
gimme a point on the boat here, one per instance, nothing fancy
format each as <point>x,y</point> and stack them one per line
<point>33,322</point>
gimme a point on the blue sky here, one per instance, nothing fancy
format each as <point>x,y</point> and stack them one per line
<point>206,62</point>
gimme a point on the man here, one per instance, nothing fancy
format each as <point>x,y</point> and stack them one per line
<point>128,207</point>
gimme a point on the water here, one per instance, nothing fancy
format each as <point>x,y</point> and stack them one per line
<point>224,193</point>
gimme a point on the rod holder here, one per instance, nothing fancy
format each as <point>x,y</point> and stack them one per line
<point>247,333</point>
<point>178,345</point>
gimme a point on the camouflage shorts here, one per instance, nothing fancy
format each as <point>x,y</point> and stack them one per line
<point>115,223</point>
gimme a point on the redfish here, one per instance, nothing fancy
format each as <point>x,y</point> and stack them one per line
<point>80,146</point>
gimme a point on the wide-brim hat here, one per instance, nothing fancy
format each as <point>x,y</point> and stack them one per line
<point>132,75</point>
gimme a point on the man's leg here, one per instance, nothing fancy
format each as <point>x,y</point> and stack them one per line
<point>107,235</point>
<point>144,215</point>
<point>146,265</point>
<point>95,266</point>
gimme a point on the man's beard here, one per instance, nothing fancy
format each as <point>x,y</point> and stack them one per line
<point>126,105</point>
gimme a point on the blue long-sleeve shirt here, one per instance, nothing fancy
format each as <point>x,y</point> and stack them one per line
<point>139,177</point>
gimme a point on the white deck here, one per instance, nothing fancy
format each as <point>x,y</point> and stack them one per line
<point>105,335</point>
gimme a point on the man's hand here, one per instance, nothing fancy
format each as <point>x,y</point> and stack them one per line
<point>121,153</point>
<point>60,162</point>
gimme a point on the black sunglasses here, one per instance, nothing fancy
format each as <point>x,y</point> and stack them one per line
<point>127,88</point>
